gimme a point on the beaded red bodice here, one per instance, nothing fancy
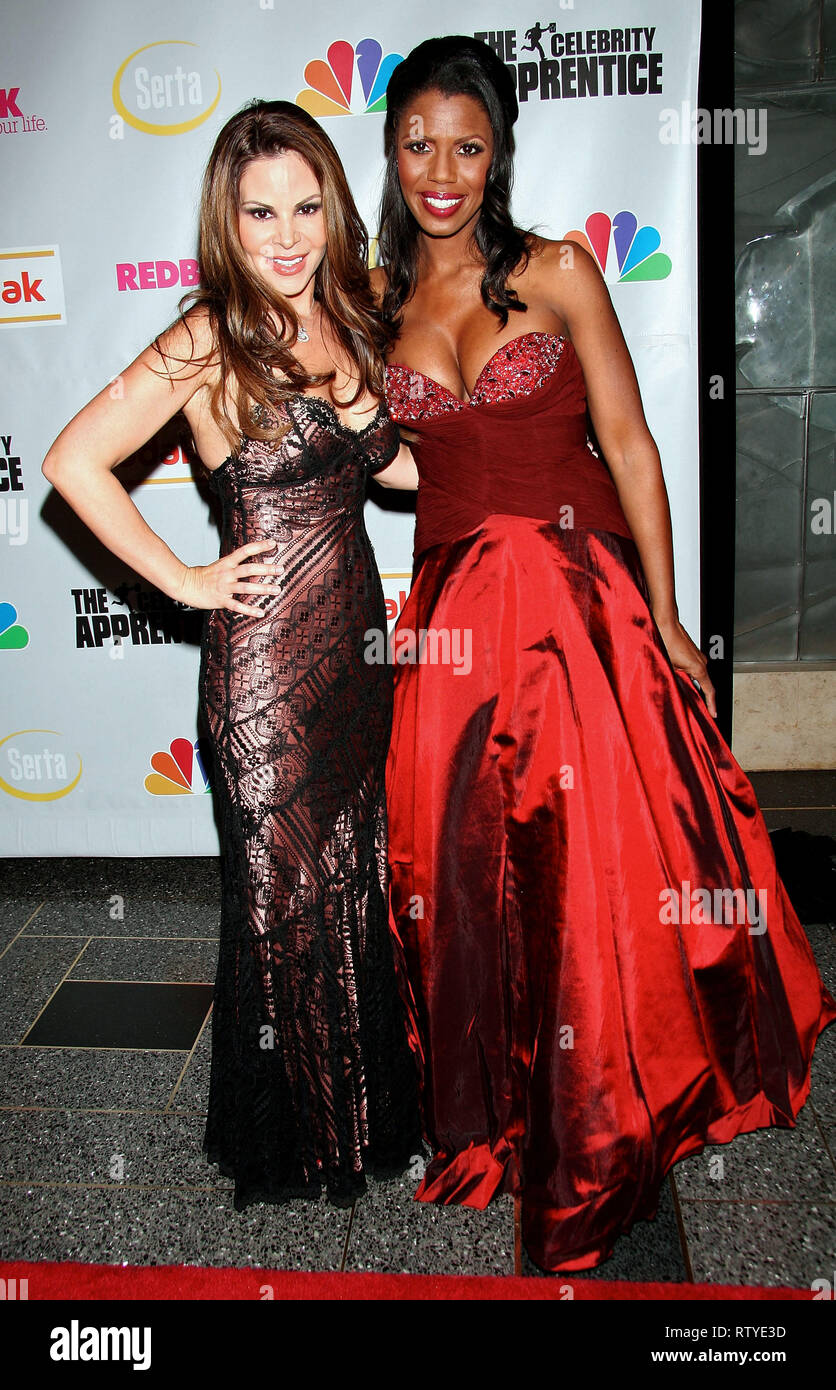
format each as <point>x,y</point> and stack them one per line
<point>518,446</point>
<point>516,369</point>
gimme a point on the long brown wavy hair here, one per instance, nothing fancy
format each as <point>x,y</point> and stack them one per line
<point>247,344</point>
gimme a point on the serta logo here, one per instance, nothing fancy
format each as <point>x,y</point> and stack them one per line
<point>31,287</point>
<point>154,92</point>
<point>8,102</point>
<point>34,769</point>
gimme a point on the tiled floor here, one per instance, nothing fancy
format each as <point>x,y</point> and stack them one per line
<point>105,971</point>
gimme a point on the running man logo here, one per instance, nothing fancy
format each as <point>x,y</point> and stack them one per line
<point>32,287</point>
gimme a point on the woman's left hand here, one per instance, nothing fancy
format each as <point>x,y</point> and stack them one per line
<point>686,656</point>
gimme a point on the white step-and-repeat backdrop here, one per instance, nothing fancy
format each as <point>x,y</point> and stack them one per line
<point>107,116</point>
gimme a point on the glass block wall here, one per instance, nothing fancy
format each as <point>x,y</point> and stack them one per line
<point>785,308</point>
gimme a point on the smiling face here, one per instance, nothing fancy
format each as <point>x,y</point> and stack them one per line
<point>280,223</point>
<point>445,147</point>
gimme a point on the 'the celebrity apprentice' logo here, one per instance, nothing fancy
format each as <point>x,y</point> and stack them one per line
<point>132,616</point>
<point>549,63</point>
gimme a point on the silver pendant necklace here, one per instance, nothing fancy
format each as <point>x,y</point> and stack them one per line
<point>303,336</point>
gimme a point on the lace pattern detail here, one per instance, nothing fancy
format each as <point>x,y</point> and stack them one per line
<point>311,1082</point>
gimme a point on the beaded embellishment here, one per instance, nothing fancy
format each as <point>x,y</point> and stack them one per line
<point>518,368</point>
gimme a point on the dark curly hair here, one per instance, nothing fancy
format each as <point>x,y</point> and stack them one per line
<point>456,66</point>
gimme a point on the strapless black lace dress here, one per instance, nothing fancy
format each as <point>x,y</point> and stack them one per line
<point>312,1082</point>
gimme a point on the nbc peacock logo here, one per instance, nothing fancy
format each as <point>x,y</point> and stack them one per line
<point>179,770</point>
<point>623,245</point>
<point>13,635</point>
<point>349,81</point>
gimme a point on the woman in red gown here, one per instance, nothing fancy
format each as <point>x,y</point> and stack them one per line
<point>602,969</point>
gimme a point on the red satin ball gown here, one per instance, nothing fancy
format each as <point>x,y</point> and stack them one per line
<point>583,1013</point>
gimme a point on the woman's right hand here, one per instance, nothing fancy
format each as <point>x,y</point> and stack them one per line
<point>213,586</point>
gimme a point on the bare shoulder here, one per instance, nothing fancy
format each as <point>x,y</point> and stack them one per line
<point>563,263</point>
<point>563,276</point>
<point>188,347</point>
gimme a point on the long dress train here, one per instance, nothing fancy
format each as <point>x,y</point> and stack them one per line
<point>602,969</point>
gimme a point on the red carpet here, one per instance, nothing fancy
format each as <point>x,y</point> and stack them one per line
<point>48,1280</point>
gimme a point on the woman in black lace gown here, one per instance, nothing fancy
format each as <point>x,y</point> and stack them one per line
<point>277,366</point>
<point>309,1068</point>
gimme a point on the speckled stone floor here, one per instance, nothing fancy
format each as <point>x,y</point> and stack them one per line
<point>104,1056</point>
